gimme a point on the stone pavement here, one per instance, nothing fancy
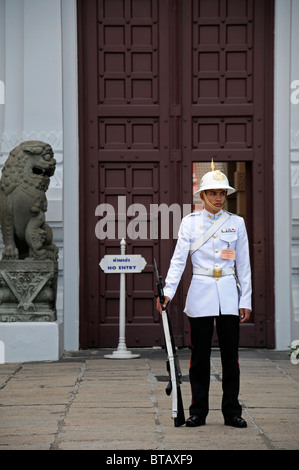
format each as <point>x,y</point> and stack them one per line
<point>88,402</point>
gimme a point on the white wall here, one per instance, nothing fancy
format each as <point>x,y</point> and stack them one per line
<point>286,176</point>
<point>2,62</point>
<point>71,175</point>
<point>31,48</point>
<point>294,154</point>
<point>32,73</point>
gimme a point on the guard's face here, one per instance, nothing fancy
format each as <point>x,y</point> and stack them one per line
<point>216,198</point>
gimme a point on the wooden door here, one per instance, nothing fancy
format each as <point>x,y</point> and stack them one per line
<point>227,94</point>
<point>164,84</point>
<point>124,48</point>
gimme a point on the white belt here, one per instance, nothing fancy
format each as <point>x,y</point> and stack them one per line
<point>216,272</point>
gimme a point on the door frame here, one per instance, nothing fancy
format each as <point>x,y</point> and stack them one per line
<point>261,241</point>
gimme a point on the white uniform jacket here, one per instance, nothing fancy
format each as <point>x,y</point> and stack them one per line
<point>207,295</point>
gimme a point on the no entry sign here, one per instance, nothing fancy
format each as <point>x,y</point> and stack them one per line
<point>122,264</point>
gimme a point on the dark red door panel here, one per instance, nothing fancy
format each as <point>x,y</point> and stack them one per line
<point>164,84</point>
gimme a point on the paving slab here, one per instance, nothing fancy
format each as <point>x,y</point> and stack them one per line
<point>87,402</point>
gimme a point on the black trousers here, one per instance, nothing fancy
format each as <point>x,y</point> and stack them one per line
<point>227,327</point>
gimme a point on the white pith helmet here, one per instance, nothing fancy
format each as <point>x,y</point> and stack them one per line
<point>214,179</point>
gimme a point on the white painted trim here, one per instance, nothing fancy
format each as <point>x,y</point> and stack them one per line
<point>71,174</point>
<point>282,183</point>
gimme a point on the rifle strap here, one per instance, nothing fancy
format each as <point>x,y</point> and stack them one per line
<point>205,236</point>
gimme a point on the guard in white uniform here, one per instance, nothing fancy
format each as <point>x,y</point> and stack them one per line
<point>220,291</point>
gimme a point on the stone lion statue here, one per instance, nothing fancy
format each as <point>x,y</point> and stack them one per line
<point>23,203</point>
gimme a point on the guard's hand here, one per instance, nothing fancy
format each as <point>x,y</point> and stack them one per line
<point>159,306</point>
<point>244,315</point>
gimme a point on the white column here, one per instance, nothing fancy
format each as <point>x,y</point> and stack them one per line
<point>31,52</point>
<point>71,174</point>
<point>282,184</point>
<point>42,98</point>
<point>294,137</point>
<point>42,67</point>
<point>2,67</point>
<point>14,72</point>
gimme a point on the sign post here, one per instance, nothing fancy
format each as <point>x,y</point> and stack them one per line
<point>122,264</point>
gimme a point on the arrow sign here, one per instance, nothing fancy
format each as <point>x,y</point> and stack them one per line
<point>122,264</point>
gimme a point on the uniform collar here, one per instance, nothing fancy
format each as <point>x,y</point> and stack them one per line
<point>211,216</point>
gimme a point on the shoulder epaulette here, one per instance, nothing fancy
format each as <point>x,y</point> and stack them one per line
<point>192,214</point>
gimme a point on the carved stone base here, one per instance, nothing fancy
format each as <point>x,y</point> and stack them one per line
<point>28,290</point>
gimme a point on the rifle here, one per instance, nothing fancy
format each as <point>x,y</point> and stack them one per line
<point>172,364</point>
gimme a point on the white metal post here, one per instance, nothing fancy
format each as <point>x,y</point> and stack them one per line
<point>121,351</point>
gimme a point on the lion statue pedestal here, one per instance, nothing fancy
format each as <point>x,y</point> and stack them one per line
<point>28,269</point>
<point>27,290</point>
